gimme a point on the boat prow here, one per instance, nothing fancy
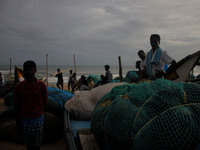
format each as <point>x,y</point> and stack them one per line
<point>183,68</point>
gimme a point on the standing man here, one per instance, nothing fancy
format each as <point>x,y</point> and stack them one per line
<point>156,59</point>
<point>30,96</point>
<point>108,74</point>
<point>142,72</point>
<point>60,79</point>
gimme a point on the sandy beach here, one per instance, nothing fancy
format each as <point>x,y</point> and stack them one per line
<point>9,145</point>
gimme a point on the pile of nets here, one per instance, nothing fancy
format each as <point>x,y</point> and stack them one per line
<point>131,77</point>
<point>158,115</point>
<point>56,101</point>
<point>95,78</point>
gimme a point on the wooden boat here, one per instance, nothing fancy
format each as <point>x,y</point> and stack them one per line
<point>183,68</point>
<point>81,137</point>
<point>78,134</point>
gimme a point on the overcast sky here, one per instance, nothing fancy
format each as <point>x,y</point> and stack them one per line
<point>95,31</point>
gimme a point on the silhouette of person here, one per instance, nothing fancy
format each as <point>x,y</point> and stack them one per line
<point>59,75</point>
<point>108,74</point>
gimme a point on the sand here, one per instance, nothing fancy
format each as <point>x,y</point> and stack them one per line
<point>60,144</point>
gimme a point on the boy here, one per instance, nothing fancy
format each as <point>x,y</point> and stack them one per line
<point>30,96</point>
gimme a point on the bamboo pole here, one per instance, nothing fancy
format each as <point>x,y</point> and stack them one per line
<point>120,69</point>
<point>10,65</point>
<point>74,64</point>
<point>47,68</point>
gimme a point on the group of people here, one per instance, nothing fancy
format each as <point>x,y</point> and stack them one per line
<point>156,62</point>
<point>30,95</point>
<point>71,83</point>
<point>152,65</point>
<point>82,83</point>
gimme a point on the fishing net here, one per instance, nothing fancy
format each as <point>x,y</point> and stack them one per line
<point>139,116</point>
<point>95,78</point>
<point>131,77</point>
<point>8,99</point>
<point>174,129</point>
<point>59,96</point>
<point>56,101</point>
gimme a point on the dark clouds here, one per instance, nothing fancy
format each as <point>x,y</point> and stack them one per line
<point>97,32</point>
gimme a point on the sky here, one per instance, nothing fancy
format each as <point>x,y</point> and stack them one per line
<point>96,32</point>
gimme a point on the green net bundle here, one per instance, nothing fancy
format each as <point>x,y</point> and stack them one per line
<point>123,118</point>
<point>95,78</point>
<point>131,77</point>
<point>174,129</point>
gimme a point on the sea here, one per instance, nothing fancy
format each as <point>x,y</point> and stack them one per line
<point>80,70</point>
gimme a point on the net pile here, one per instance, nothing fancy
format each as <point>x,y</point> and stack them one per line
<point>95,78</point>
<point>157,115</point>
<point>131,77</point>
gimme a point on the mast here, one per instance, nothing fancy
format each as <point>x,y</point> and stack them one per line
<point>47,68</point>
<point>74,63</point>
<point>10,65</point>
<point>120,69</point>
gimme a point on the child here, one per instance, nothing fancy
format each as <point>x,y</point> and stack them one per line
<point>30,96</point>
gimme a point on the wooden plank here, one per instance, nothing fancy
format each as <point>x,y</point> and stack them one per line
<point>87,140</point>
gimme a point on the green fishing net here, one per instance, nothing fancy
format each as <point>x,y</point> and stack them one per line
<point>155,115</point>
<point>95,78</point>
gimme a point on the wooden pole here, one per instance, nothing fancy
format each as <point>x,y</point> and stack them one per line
<point>47,68</point>
<point>10,66</point>
<point>120,69</point>
<point>74,64</point>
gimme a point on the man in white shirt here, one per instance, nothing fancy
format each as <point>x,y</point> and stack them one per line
<point>156,59</point>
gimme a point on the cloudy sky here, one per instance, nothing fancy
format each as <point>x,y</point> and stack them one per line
<point>95,31</point>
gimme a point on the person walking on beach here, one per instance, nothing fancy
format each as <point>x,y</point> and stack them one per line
<point>70,79</point>
<point>156,58</point>
<point>108,74</point>
<point>73,82</point>
<point>30,97</point>
<point>59,75</point>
